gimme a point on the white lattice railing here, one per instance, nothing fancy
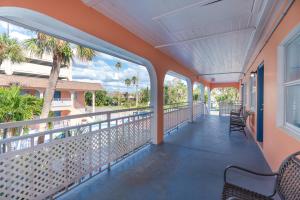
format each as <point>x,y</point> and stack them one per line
<point>70,154</point>
<point>176,114</point>
<point>198,109</point>
<point>225,108</point>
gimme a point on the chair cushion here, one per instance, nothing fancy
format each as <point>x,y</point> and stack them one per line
<point>233,191</point>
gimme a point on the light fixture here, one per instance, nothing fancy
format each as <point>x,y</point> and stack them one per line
<point>253,73</point>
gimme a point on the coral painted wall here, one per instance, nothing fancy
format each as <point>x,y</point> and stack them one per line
<point>277,143</point>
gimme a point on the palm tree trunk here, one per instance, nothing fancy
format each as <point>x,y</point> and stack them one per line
<point>48,96</point>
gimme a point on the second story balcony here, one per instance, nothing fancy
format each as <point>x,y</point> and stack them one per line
<point>62,102</point>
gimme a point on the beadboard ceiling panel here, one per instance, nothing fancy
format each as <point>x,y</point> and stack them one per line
<point>208,36</point>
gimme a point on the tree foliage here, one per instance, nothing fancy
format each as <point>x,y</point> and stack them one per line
<point>229,95</point>
<point>144,96</point>
<point>10,49</point>
<point>101,98</point>
<point>17,107</point>
<point>175,92</point>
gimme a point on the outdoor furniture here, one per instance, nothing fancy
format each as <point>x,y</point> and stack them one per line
<point>238,122</point>
<point>238,112</point>
<point>286,185</point>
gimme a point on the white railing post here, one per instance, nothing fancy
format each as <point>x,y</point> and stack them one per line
<point>109,140</point>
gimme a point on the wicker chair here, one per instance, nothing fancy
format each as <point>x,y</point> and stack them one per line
<point>286,186</point>
<point>238,121</point>
<point>238,112</point>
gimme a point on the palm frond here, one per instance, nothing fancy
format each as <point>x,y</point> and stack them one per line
<point>84,53</point>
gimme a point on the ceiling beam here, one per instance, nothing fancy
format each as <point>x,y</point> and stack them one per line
<point>204,37</point>
<point>199,3</point>
<point>220,73</point>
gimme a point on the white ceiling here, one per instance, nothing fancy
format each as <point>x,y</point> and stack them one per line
<point>209,36</point>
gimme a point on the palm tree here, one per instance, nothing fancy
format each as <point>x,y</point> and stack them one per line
<point>118,65</point>
<point>17,107</point>
<point>127,83</point>
<point>135,81</point>
<point>10,49</point>
<point>62,53</point>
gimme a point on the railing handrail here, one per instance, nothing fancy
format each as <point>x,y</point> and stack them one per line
<point>62,99</point>
<point>176,103</point>
<point>12,139</point>
<point>51,119</point>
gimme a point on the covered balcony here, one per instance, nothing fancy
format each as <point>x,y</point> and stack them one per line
<point>166,150</point>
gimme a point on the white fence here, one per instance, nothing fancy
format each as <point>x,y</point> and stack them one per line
<point>199,108</point>
<point>176,114</point>
<point>225,108</point>
<point>36,171</point>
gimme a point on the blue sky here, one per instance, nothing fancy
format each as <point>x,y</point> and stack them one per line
<point>100,70</point>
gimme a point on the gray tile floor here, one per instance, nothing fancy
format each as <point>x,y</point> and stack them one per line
<point>188,165</point>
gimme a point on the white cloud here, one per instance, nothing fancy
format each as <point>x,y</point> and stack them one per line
<point>3,24</point>
<point>106,56</point>
<point>110,78</point>
<point>19,36</point>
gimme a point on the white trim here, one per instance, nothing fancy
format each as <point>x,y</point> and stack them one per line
<point>281,108</point>
<point>50,26</point>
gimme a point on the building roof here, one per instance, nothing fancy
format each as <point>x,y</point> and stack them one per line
<point>42,83</point>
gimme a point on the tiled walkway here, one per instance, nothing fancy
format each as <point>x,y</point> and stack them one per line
<point>188,165</point>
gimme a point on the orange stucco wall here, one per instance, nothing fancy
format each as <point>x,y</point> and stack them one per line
<point>77,14</point>
<point>277,143</point>
<point>80,99</point>
<point>65,94</point>
<point>225,85</point>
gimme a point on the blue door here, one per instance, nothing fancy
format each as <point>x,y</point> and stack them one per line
<point>260,103</point>
<point>57,113</point>
<point>57,95</point>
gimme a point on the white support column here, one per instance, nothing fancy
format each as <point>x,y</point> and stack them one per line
<point>41,92</point>
<point>93,101</point>
<point>72,98</point>
<point>208,100</point>
<point>202,93</point>
<point>190,98</point>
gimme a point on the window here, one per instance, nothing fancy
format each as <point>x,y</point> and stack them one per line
<point>288,114</point>
<point>291,84</point>
<point>252,93</point>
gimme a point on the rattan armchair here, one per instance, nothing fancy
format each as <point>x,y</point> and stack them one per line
<point>286,186</point>
<point>238,122</point>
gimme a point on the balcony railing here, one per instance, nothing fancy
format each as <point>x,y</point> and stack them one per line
<point>175,114</point>
<point>199,108</point>
<point>61,102</point>
<point>71,154</point>
<point>225,107</point>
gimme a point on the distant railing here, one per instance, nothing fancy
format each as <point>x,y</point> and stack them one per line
<point>176,114</point>
<point>61,102</point>
<point>71,154</point>
<point>198,109</point>
<point>225,107</point>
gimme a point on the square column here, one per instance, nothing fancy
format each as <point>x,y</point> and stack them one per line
<point>72,97</point>
<point>208,100</point>
<point>202,93</point>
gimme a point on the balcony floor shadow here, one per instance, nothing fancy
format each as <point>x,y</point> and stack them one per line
<point>188,165</point>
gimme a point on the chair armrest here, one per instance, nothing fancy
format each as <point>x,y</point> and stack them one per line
<point>250,172</point>
<point>234,113</point>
